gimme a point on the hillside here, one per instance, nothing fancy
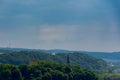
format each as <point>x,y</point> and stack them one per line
<point>102,55</point>
<point>23,57</point>
<point>106,55</point>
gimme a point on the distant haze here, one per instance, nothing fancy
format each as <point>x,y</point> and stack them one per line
<point>90,25</point>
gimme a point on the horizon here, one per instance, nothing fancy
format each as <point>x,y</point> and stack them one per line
<point>57,49</point>
<point>91,25</point>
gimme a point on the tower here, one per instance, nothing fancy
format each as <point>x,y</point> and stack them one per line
<point>68,60</point>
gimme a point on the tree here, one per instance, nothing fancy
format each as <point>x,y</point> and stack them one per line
<point>16,74</point>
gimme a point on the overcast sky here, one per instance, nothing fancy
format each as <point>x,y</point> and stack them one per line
<point>89,25</point>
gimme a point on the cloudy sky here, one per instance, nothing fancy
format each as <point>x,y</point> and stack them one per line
<point>90,25</point>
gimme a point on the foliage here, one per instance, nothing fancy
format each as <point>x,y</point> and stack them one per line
<point>45,71</point>
<point>76,58</point>
<point>110,76</point>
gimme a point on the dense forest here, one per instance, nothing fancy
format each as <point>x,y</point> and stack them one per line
<point>45,71</point>
<point>17,62</point>
<point>76,58</point>
<point>106,55</point>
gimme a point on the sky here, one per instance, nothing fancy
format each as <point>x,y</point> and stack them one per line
<point>87,25</point>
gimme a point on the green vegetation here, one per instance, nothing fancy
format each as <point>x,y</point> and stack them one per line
<point>21,70</point>
<point>110,76</point>
<point>106,55</point>
<point>76,58</point>
<point>45,71</point>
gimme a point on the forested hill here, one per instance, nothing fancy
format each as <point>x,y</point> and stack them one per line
<point>76,58</point>
<point>105,55</point>
<point>102,55</point>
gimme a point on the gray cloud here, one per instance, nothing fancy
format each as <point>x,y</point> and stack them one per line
<point>78,24</point>
<point>55,11</point>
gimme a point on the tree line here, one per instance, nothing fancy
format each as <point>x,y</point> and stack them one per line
<point>45,70</point>
<point>76,58</point>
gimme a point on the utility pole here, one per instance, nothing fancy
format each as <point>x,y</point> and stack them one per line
<point>9,44</point>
